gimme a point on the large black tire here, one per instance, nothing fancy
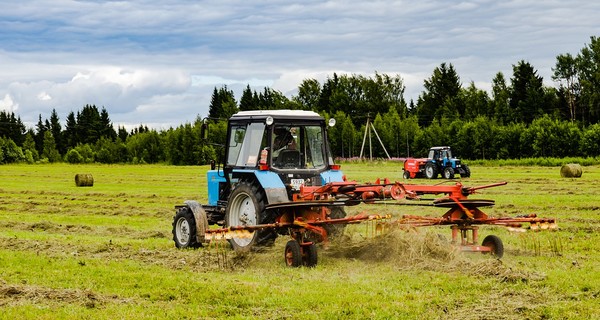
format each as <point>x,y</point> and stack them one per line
<point>184,229</point>
<point>495,245</point>
<point>246,207</point>
<point>448,173</point>
<point>334,230</point>
<point>431,170</point>
<point>310,257</point>
<point>467,172</point>
<point>293,254</point>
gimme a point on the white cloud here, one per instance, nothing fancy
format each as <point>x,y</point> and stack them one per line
<point>7,104</point>
<point>44,96</point>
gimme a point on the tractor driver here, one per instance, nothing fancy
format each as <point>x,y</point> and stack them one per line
<point>283,140</point>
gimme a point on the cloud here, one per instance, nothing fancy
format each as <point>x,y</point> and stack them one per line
<point>8,105</point>
<point>158,62</point>
<point>44,96</point>
<point>121,90</point>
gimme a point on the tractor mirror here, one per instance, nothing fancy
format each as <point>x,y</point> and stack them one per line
<point>331,122</point>
<point>204,129</point>
<point>239,136</point>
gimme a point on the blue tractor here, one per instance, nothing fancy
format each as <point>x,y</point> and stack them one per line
<point>269,155</point>
<point>440,161</point>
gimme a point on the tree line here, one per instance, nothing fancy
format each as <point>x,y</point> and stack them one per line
<point>520,117</point>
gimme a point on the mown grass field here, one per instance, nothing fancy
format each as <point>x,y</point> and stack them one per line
<point>105,252</point>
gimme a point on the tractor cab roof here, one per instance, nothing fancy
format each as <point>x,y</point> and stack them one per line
<point>276,115</point>
<point>440,148</point>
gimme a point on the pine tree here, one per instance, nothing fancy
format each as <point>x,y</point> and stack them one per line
<point>56,129</point>
<point>39,135</point>
<point>70,136</point>
<point>106,127</point>
<point>527,92</point>
<point>11,127</point>
<point>500,100</point>
<point>222,104</point>
<point>247,101</point>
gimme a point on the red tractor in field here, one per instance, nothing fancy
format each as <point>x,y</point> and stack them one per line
<point>439,161</point>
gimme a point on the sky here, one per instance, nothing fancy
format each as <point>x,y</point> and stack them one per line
<point>156,63</point>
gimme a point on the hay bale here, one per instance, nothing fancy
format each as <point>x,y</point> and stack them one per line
<point>571,170</point>
<point>84,180</point>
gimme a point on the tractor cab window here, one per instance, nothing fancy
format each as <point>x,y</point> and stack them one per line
<point>448,154</point>
<point>245,144</point>
<point>433,154</point>
<point>298,147</point>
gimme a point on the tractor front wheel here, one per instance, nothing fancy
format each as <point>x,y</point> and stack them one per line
<point>495,245</point>
<point>406,174</point>
<point>184,229</point>
<point>431,171</point>
<point>467,173</point>
<point>448,173</point>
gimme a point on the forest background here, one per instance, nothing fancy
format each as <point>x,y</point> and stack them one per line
<point>519,118</point>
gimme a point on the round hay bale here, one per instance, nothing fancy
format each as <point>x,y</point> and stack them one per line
<point>84,180</point>
<point>571,170</point>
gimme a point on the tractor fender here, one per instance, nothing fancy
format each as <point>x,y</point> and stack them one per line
<point>331,176</point>
<point>270,182</point>
<point>200,218</point>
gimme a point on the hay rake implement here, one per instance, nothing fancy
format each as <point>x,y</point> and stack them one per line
<point>308,219</point>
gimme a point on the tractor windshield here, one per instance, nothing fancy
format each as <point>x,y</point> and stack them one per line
<point>448,153</point>
<point>298,147</point>
<point>292,146</point>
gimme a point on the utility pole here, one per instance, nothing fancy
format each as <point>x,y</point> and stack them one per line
<point>368,129</point>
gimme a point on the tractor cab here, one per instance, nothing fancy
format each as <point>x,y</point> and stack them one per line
<point>287,143</point>
<point>442,155</point>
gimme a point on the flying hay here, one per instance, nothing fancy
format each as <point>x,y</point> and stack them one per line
<point>84,180</point>
<point>571,170</point>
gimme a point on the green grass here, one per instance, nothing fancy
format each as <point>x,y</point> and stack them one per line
<point>105,252</point>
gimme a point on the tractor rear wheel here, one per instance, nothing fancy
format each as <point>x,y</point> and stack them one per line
<point>246,207</point>
<point>184,229</point>
<point>293,254</point>
<point>431,170</point>
<point>495,245</point>
<point>448,173</point>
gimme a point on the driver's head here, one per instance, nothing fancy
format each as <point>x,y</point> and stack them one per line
<point>282,137</point>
